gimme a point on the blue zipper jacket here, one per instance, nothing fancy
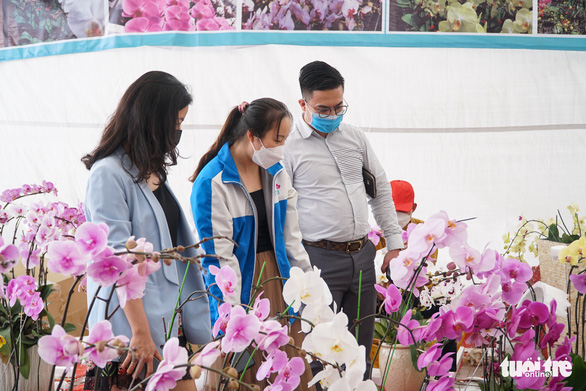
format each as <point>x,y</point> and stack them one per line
<point>222,206</point>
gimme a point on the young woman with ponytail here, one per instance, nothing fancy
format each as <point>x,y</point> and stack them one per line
<point>241,191</point>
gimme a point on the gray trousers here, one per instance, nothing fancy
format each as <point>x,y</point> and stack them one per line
<point>341,271</point>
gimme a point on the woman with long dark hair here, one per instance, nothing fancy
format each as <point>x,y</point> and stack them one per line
<point>241,191</point>
<point>127,190</point>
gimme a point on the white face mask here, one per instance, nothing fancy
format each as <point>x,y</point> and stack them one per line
<point>267,157</point>
<point>403,218</point>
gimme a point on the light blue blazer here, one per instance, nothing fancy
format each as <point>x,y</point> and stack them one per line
<point>129,209</point>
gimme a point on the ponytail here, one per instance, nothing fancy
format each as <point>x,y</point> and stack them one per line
<point>260,116</point>
<point>227,135</point>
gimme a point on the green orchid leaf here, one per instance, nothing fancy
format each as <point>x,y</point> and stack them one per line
<point>25,363</point>
<point>577,380</point>
<point>553,233</point>
<point>409,19</point>
<point>69,327</point>
<point>6,349</point>
<point>45,291</point>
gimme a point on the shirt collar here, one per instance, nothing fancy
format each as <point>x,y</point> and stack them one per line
<point>304,129</point>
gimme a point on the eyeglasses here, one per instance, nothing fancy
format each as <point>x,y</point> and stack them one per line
<point>326,111</point>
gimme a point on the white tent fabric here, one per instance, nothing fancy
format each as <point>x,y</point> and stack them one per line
<point>480,133</point>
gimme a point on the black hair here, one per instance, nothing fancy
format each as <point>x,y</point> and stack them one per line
<point>145,124</point>
<point>260,116</point>
<point>319,76</point>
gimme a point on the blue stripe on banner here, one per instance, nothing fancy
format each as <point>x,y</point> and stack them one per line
<point>300,38</point>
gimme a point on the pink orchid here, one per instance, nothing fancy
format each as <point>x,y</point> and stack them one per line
<point>261,308</point>
<point>271,336</point>
<point>286,23</point>
<point>177,18</point>
<point>91,238</point>
<point>166,376</point>
<point>579,281</point>
<point>223,318</point>
<point>290,373</point>
<point>223,23</point>
<point>302,15</point>
<point>516,270</point>
<point>131,286</point>
<point>392,297</point>
<point>424,236</point>
<point>241,330</point>
<point>467,257</point>
<point>552,336</point>
<point>537,314</point>
<point>444,383</point>
<point>429,356</point>
<point>524,348</point>
<point>59,348</point>
<point>207,25</point>
<point>408,330</point>
<point>107,268</point>
<point>208,355</point>
<point>275,361</point>
<point>30,258</point>
<point>202,10</point>
<point>21,288</point>
<point>513,291</point>
<point>184,3</point>
<point>441,367</point>
<point>225,278</point>
<point>34,306</point>
<point>141,8</point>
<point>65,258</point>
<point>102,332</point>
<point>9,254</point>
<point>455,232</point>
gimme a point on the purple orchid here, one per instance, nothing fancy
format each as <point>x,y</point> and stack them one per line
<point>241,330</point>
<point>59,348</point>
<point>166,376</point>
<point>102,332</point>
<point>275,361</point>
<point>225,278</point>
<point>392,297</point>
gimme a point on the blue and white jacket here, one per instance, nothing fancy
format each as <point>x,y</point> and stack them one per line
<point>222,206</point>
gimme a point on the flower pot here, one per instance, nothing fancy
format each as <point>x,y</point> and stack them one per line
<point>39,377</point>
<point>401,373</point>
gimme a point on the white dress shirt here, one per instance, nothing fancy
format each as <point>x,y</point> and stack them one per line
<point>327,174</point>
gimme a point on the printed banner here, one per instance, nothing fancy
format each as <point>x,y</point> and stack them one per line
<point>561,24</point>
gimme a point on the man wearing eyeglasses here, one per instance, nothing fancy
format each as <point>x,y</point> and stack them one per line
<point>333,167</point>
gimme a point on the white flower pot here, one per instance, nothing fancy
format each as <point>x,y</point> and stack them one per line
<point>401,373</point>
<point>39,377</point>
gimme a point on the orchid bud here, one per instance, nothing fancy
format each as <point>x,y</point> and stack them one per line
<point>180,248</point>
<point>291,341</point>
<point>167,261</point>
<point>256,387</point>
<point>101,346</point>
<point>232,385</point>
<point>195,372</point>
<point>130,244</point>
<point>452,266</point>
<point>232,372</point>
<point>156,257</point>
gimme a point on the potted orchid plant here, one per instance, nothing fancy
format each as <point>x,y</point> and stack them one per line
<point>26,230</point>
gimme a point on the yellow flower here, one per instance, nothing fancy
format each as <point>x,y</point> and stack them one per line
<point>574,252</point>
<point>2,341</point>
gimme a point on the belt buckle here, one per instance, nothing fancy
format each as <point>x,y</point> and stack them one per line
<point>349,245</point>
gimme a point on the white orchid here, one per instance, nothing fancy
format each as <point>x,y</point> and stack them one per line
<point>334,342</point>
<point>316,314</point>
<point>306,288</point>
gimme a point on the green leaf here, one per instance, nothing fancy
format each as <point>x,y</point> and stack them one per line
<point>68,327</point>
<point>403,3</point>
<point>577,379</point>
<point>409,19</point>
<point>45,291</point>
<point>25,363</point>
<point>414,357</point>
<point>553,233</point>
<point>50,318</point>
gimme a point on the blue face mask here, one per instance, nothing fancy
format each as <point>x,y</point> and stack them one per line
<point>326,125</point>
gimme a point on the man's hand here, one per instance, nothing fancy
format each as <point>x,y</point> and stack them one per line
<point>390,255</point>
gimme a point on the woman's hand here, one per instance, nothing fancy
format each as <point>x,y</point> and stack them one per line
<point>144,351</point>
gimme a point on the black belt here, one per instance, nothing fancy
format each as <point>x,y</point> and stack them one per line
<point>349,247</point>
